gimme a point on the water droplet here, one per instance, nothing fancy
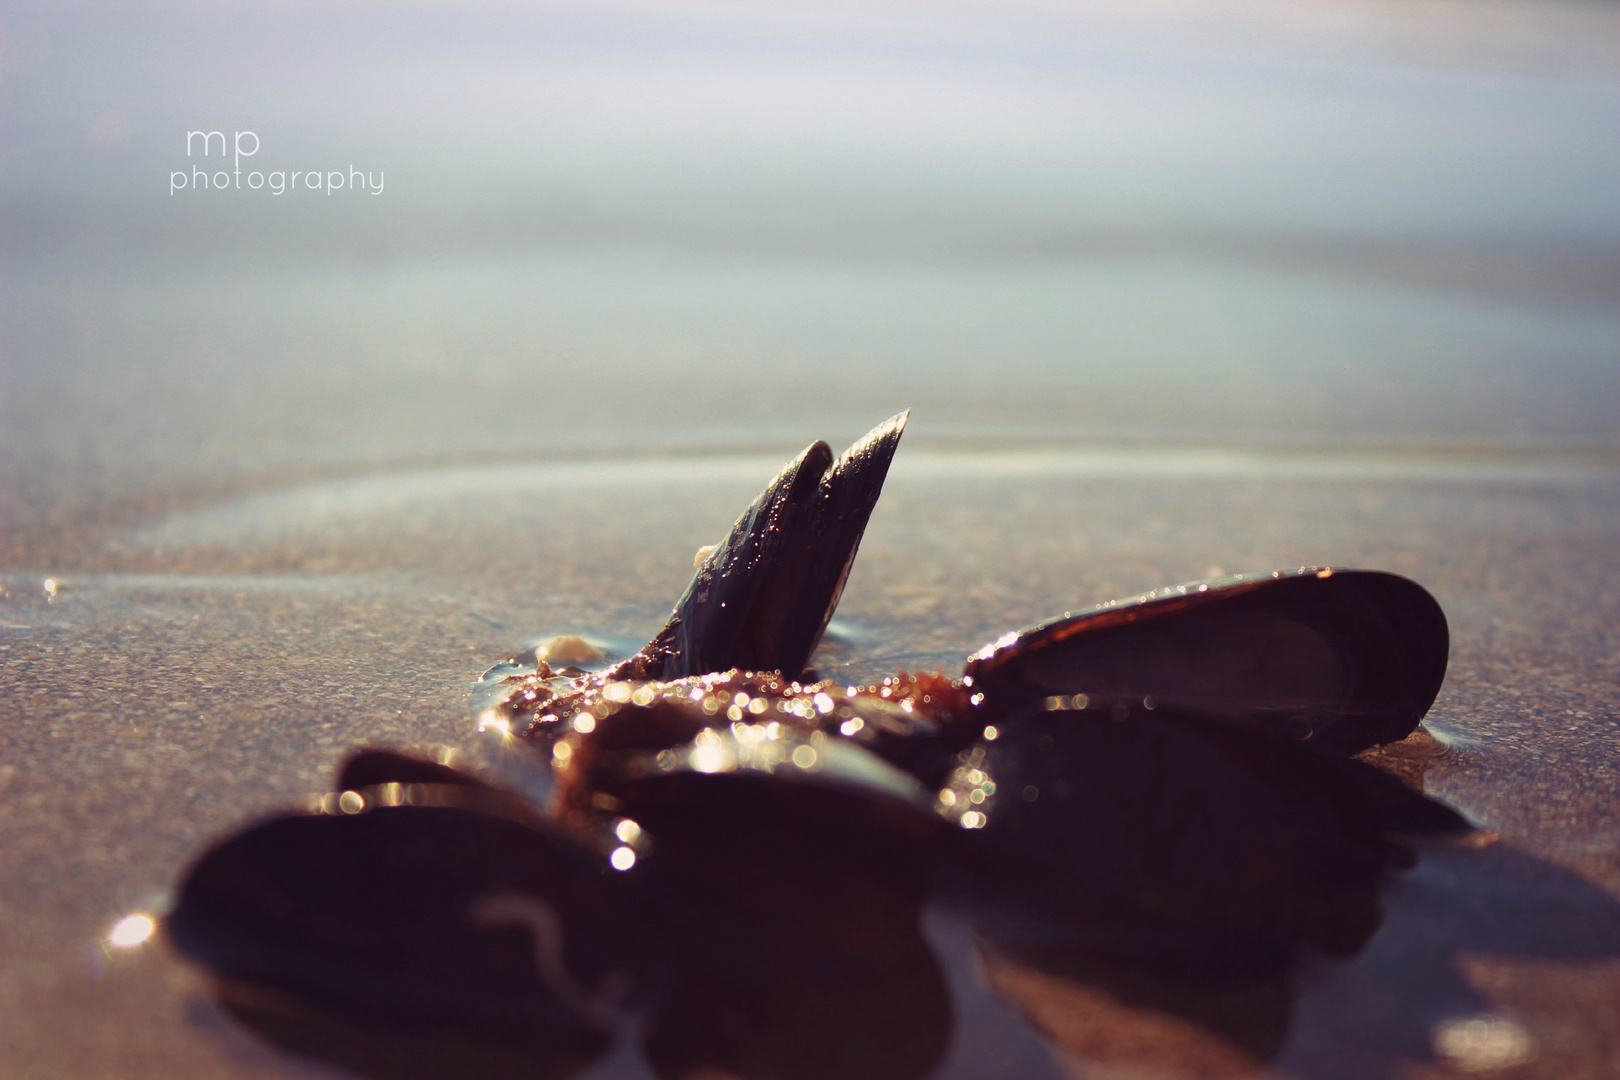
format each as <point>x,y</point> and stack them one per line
<point>132,930</point>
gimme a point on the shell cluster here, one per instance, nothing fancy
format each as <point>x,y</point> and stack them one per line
<point>1164,795</point>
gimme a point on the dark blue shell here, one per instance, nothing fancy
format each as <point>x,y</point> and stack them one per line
<point>762,598</point>
<point>1342,660</point>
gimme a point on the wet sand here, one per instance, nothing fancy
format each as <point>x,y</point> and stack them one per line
<point>148,712</point>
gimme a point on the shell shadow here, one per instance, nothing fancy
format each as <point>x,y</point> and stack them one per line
<point>1374,1014</point>
<point>1457,909</point>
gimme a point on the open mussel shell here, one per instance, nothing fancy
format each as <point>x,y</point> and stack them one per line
<point>417,930</point>
<point>1342,660</point>
<point>1168,842</point>
<point>761,600</point>
<point>796,881</point>
<point>1144,884</point>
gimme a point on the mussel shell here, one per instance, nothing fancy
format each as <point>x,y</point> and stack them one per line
<point>1341,659</point>
<point>1172,841</point>
<point>804,828</point>
<point>762,599</point>
<point>345,933</point>
<point>797,895</point>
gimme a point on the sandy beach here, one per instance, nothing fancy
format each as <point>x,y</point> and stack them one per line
<point>277,481</point>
